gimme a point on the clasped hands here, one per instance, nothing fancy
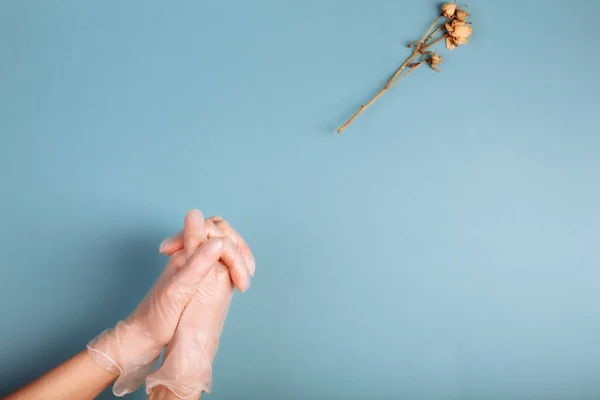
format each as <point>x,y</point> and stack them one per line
<point>185,311</point>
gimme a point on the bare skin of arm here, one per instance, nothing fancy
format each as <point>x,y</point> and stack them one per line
<point>78,378</point>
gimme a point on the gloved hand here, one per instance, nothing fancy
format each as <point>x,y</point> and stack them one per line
<point>133,346</point>
<point>187,365</point>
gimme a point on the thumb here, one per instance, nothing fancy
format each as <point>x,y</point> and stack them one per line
<point>190,276</point>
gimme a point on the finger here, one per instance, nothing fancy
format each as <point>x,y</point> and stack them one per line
<point>171,244</point>
<point>194,232</point>
<point>239,241</point>
<point>174,243</point>
<point>176,262</point>
<point>231,257</point>
<point>191,275</point>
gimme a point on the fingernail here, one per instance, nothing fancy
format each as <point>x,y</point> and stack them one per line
<point>247,281</point>
<point>194,217</point>
<point>163,245</point>
<point>246,285</point>
<point>213,246</point>
<point>252,267</point>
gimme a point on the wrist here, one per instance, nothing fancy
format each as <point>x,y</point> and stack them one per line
<point>162,393</point>
<point>139,338</point>
<point>126,351</point>
<point>114,349</point>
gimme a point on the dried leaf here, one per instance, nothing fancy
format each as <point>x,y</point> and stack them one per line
<point>412,65</point>
<point>412,44</point>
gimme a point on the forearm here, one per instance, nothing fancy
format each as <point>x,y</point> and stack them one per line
<point>79,378</point>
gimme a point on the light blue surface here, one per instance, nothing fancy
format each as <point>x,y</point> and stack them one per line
<point>446,246</point>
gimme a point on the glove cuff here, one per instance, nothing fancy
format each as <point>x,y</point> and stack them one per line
<point>126,351</point>
<point>187,365</point>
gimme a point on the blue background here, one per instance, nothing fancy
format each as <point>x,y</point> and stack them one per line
<point>445,246</point>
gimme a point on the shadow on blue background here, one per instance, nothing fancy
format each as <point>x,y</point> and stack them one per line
<point>134,265</point>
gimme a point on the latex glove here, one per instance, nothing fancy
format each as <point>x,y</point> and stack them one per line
<point>187,365</point>
<point>133,346</point>
<point>240,268</point>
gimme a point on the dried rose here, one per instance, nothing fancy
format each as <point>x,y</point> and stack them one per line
<point>461,15</point>
<point>450,45</point>
<point>448,9</point>
<point>461,40</point>
<point>460,30</point>
<point>434,60</point>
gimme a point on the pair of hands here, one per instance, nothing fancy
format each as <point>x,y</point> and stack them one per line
<point>185,311</point>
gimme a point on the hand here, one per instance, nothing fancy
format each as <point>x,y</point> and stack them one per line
<point>215,227</point>
<point>133,346</point>
<point>186,369</point>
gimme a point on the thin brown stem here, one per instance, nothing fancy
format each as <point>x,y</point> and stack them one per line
<point>429,30</point>
<point>419,47</point>
<point>411,68</point>
<point>434,42</point>
<point>435,31</point>
<point>408,72</point>
<point>384,89</point>
<point>391,82</point>
<point>400,69</point>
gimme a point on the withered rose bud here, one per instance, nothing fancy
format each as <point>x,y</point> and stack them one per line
<point>461,15</point>
<point>448,9</point>
<point>450,45</point>
<point>434,60</point>
<point>460,30</point>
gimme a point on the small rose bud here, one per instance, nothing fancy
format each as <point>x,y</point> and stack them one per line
<point>448,9</point>
<point>434,61</point>
<point>461,15</point>
<point>450,43</point>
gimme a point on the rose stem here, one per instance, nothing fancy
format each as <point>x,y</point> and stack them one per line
<point>434,42</point>
<point>390,82</point>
